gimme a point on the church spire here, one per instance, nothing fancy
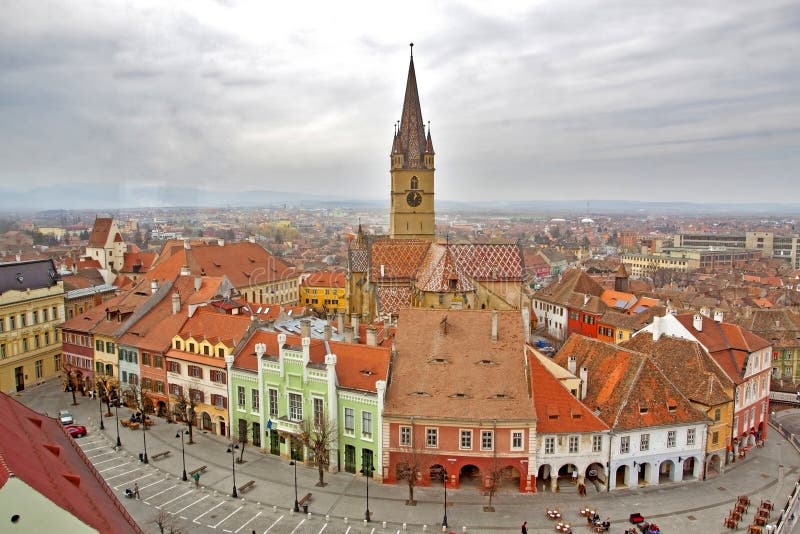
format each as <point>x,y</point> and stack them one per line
<point>412,128</point>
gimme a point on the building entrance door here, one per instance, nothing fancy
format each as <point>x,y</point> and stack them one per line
<point>19,377</point>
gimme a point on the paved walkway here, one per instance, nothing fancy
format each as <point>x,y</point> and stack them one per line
<point>767,473</point>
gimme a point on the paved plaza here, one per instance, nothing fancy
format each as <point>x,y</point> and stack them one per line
<point>767,473</point>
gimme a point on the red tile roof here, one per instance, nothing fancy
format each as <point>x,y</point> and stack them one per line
<point>53,465</point>
<point>323,279</point>
<point>211,325</point>
<point>100,230</point>
<point>358,367</point>
<point>138,262</point>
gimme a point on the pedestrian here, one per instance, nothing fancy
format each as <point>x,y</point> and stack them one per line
<point>524,527</point>
<point>136,490</point>
<point>196,478</point>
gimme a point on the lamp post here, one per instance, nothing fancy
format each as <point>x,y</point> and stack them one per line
<point>444,485</point>
<point>232,450</point>
<point>367,472</point>
<point>116,412</point>
<point>296,504</point>
<point>183,453</point>
<point>100,400</point>
<point>144,437</point>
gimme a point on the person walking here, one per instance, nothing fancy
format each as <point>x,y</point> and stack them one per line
<point>136,490</point>
<point>196,478</point>
<point>524,527</point>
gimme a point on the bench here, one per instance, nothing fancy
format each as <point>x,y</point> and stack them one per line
<point>246,486</point>
<point>162,454</point>
<point>200,469</point>
<point>305,499</point>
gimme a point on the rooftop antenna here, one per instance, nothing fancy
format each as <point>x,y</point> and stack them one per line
<point>412,50</point>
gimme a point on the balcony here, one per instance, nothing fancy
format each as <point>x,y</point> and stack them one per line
<point>283,424</point>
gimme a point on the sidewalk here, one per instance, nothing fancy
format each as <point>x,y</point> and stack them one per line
<point>767,473</point>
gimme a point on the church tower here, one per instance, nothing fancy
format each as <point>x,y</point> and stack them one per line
<point>411,212</point>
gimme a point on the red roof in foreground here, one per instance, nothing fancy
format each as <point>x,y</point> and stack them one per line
<point>54,465</point>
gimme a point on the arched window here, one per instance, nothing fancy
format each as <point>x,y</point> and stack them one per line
<point>414,182</point>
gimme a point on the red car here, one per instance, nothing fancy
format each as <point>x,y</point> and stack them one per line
<point>76,431</point>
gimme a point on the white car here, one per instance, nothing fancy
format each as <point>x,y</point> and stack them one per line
<point>65,417</point>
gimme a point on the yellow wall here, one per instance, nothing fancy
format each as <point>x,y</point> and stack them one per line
<point>106,357</point>
<point>309,293</point>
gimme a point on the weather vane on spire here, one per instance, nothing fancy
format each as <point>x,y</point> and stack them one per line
<point>412,49</point>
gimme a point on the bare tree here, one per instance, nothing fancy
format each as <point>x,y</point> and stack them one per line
<point>166,523</point>
<point>409,467</point>
<point>184,405</point>
<point>107,390</point>
<point>71,382</point>
<point>495,481</point>
<point>319,437</point>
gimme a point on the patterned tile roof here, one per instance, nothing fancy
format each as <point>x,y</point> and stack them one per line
<point>489,262</point>
<point>625,388</point>
<point>396,259</point>
<point>358,260</point>
<point>391,299</point>
<point>439,269</point>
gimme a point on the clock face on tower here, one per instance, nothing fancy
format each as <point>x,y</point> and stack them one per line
<point>414,199</point>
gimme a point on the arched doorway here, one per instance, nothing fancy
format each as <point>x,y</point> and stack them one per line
<point>713,466</point>
<point>666,471</point>
<point>567,474</point>
<point>205,421</point>
<point>510,478</point>
<point>595,476</point>
<point>470,475</point>
<point>543,478</point>
<point>436,473</point>
<point>689,466</point>
<point>221,422</point>
<point>642,473</point>
<point>621,478</point>
<point>161,408</point>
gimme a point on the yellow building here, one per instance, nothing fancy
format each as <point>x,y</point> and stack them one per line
<point>31,306</point>
<point>324,291</point>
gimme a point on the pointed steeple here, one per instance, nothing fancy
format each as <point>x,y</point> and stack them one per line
<point>429,141</point>
<point>412,128</point>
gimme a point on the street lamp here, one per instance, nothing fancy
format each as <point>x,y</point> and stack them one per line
<point>232,450</point>
<point>183,453</point>
<point>296,504</point>
<point>144,437</point>
<point>367,472</point>
<point>100,400</point>
<point>444,485</point>
<point>116,411</point>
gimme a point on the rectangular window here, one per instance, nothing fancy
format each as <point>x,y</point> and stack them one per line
<point>573,444</point>
<point>597,443</point>
<point>405,436</point>
<point>109,347</point>
<point>717,414</point>
<point>549,445</point>
<point>432,437</point>
<point>349,421</point>
<point>159,386</point>
<point>714,438</point>
<point>255,397</point>
<point>644,442</point>
<point>24,344</point>
<point>295,407</point>
<point>366,424</point>
<point>98,345</point>
<point>516,440</point>
<point>2,324</point>
<point>466,440</point>
<point>158,361</point>
<point>3,351</point>
<point>173,367</point>
<point>273,403</point>
<point>690,436</point>
<point>39,369</point>
<point>23,319</point>
<point>145,358</point>
<point>54,313</point>
<point>47,338</point>
<point>218,376</point>
<point>176,390</point>
<point>487,440</point>
<point>197,395</point>
<point>11,322</point>
<point>194,371</point>
<point>624,444</point>
<point>319,412</point>
<point>219,401</point>
<point>56,360</point>
<point>671,438</point>
<point>240,397</point>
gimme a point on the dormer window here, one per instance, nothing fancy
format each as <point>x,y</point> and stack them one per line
<point>642,410</point>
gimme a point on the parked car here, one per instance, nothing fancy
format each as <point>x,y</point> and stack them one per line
<point>76,431</point>
<point>65,417</point>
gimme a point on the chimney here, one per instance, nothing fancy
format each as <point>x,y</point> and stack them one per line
<point>494,325</point>
<point>586,298</point>
<point>340,323</point>
<point>198,283</point>
<point>252,239</point>
<point>572,364</point>
<point>697,322</point>
<point>584,381</point>
<point>328,332</point>
<point>348,334</point>
<point>221,242</point>
<point>718,316</point>
<point>526,323</point>
<point>20,257</point>
<point>261,348</point>
<point>657,327</point>
<point>176,302</point>
<point>153,286</point>
<point>382,270</point>
<point>305,328</point>
<point>372,336</point>
<point>185,270</point>
<point>705,312</point>
<point>186,244</point>
<point>354,322</point>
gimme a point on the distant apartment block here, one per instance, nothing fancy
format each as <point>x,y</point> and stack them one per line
<point>687,259</point>
<point>770,245</point>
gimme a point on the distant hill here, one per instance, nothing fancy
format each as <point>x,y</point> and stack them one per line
<point>120,196</point>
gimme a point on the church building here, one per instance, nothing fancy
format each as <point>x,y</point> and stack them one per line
<point>410,267</point>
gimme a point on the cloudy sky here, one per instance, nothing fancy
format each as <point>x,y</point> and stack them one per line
<point>679,100</point>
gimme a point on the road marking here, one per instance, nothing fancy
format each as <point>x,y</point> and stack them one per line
<point>153,484</point>
<point>129,481</point>
<point>104,461</point>
<point>95,449</point>
<point>175,499</point>
<point>240,528</point>
<point>190,505</point>
<point>99,455</point>
<point>159,493</point>
<point>195,520</point>
<point>273,524</point>
<point>298,526</point>
<point>349,527</point>
<point>226,518</point>
<point>122,475</point>
<point>372,531</point>
<point>322,529</point>
<point>111,468</point>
